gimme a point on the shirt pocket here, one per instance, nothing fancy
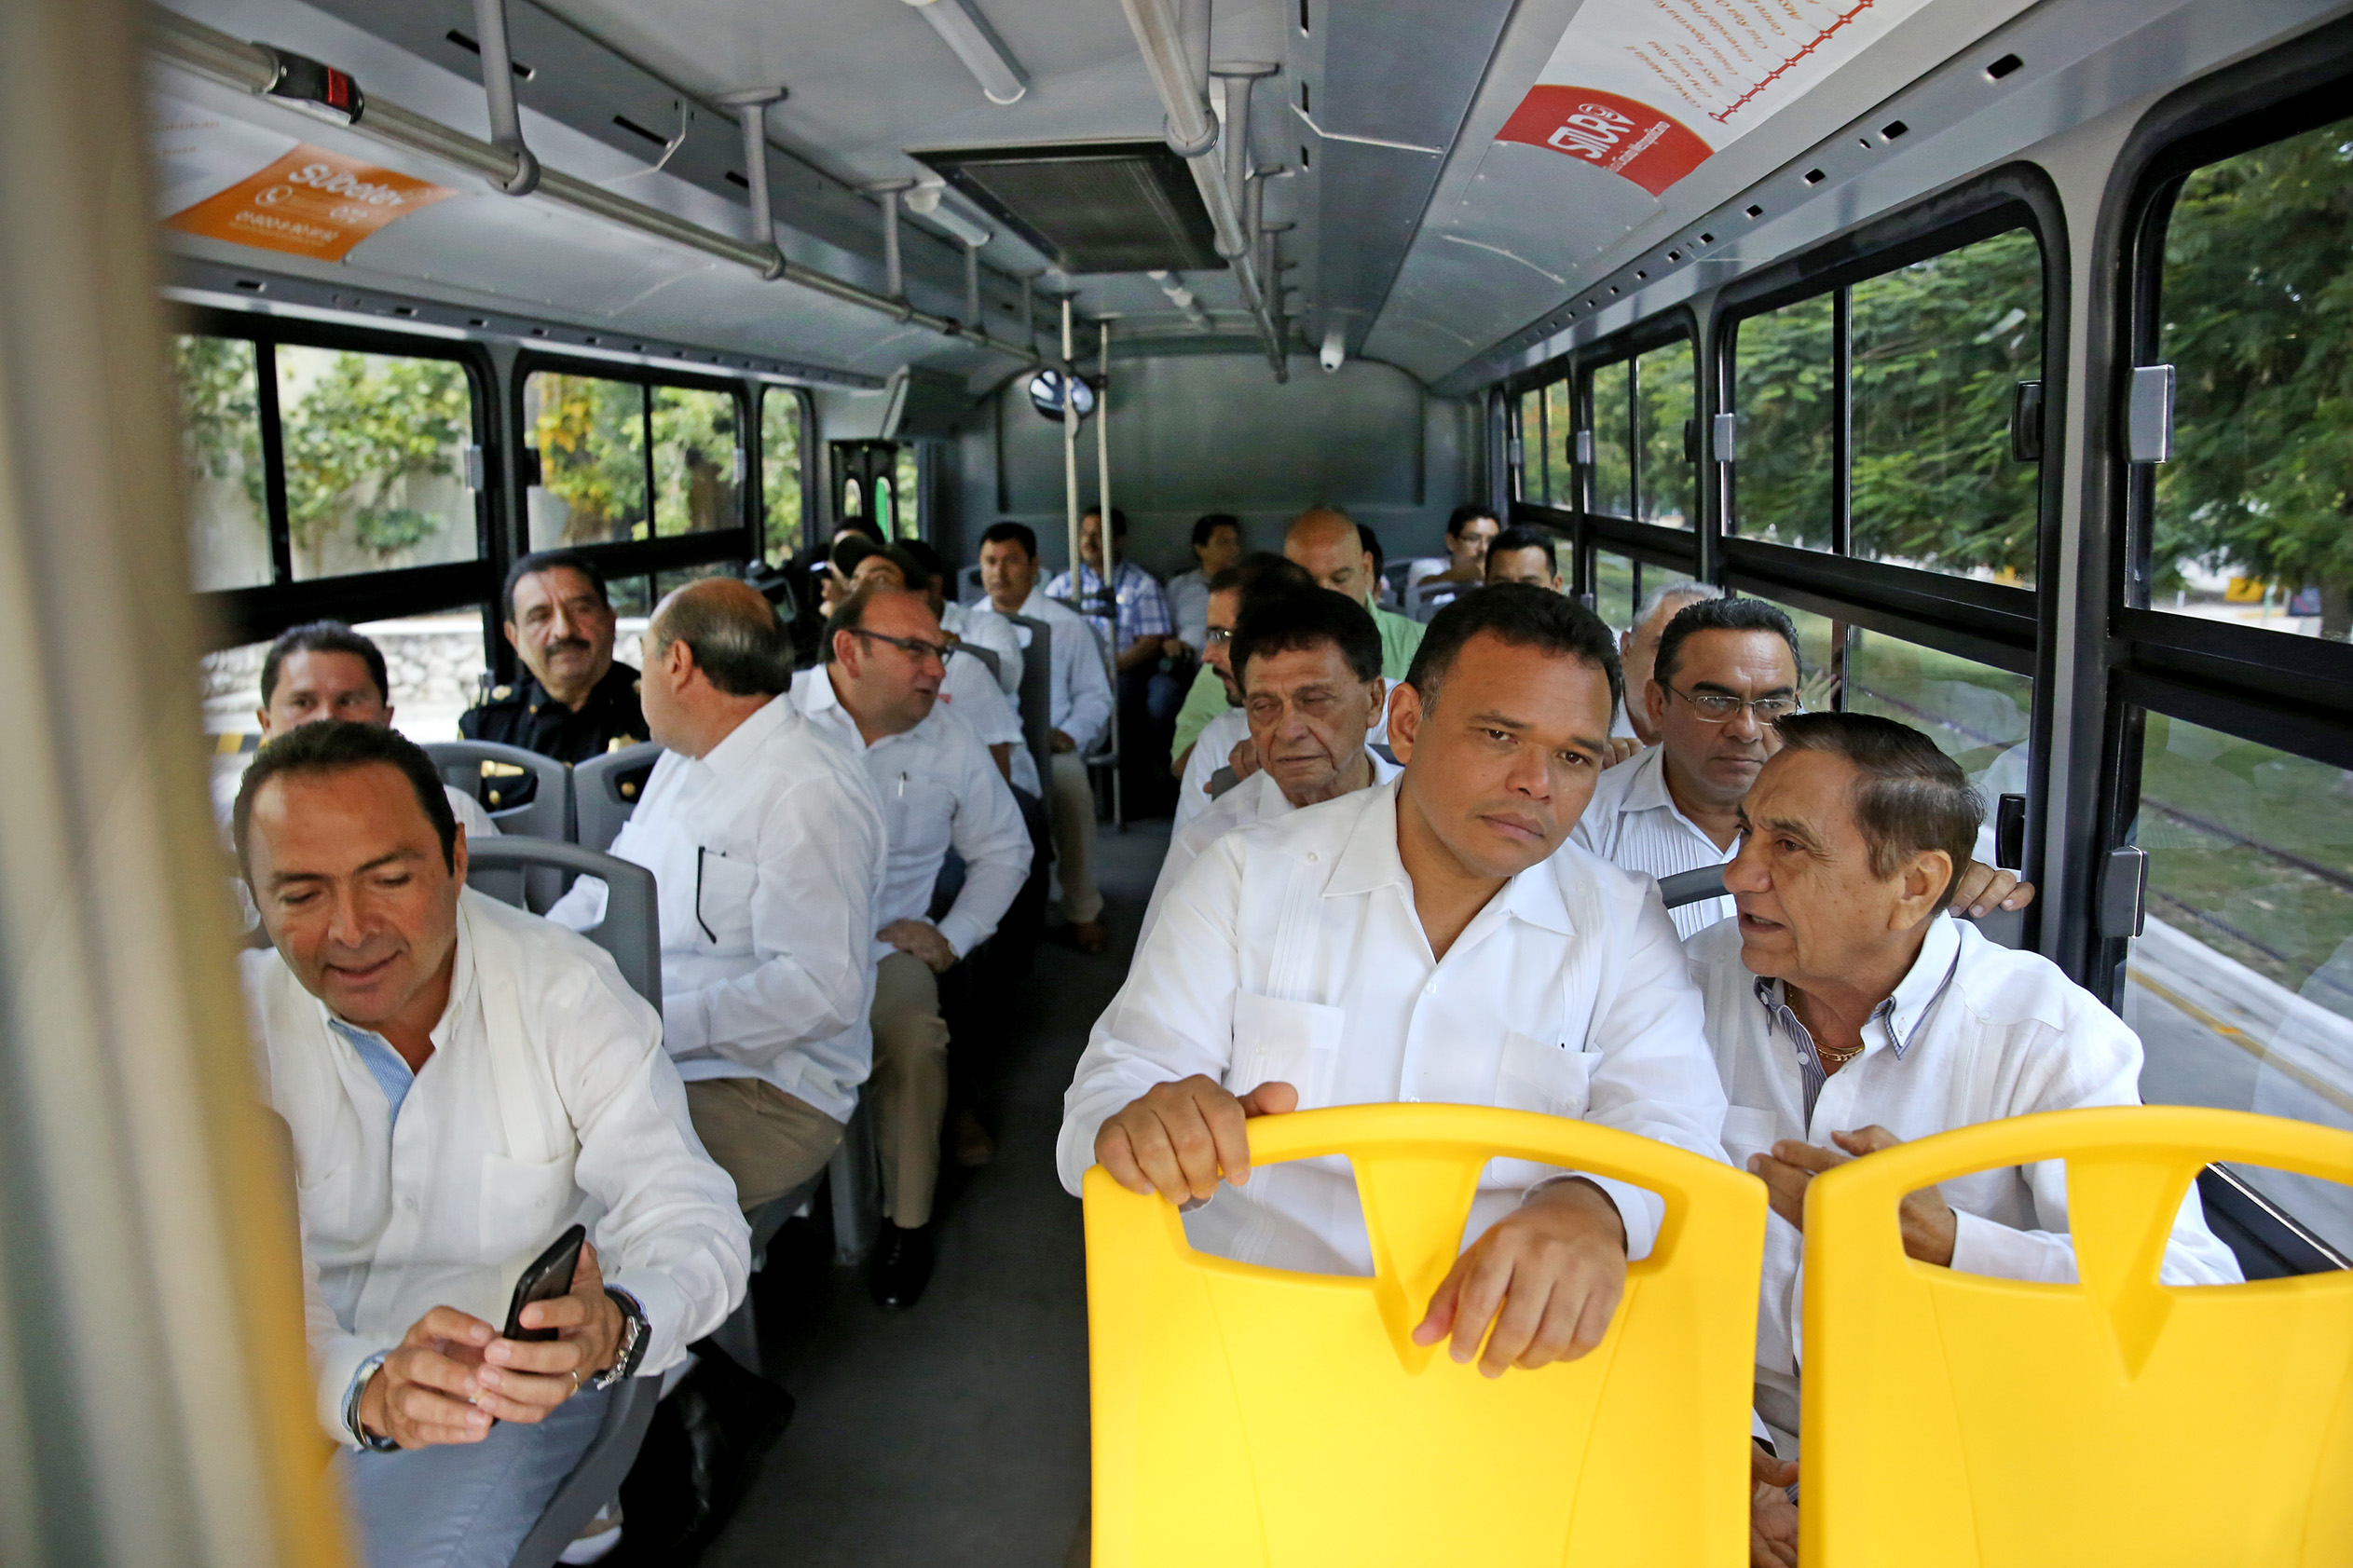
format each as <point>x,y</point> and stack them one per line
<point>920,817</point>
<point>1747,1131</point>
<point>1294,1043</point>
<point>1534,1075</point>
<point>525,1202</point>
<point>723,890</point>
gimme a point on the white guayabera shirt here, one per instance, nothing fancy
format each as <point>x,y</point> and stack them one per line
<point>767,855</point>
<point>1081,703</point>
<point>1256,798</point>
<point>1291,950</point>
<point>1632,823</point>
<point>1974,1032</point>
<point>547,1101</point>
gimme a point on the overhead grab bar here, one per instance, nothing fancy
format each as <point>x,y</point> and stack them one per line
<point>498,86</point>
<point>751,114</point>
<point>1192,132</point>
<point>253,67</point>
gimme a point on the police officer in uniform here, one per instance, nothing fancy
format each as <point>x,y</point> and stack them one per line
<point>574,703</point>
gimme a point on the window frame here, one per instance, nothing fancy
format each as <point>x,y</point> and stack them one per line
<point>1675,550</point>
<point>622,558</point>
<point>764,526</point>
<point>2270,689</point>
<point>237,616</point>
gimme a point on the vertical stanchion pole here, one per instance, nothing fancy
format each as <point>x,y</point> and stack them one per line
<point>1069,451</point>
<point>1111,569</point>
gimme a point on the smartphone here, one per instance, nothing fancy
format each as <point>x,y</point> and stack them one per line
<point>550,1276</point>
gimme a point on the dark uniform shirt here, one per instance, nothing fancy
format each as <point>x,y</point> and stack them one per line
<point>524,714</point>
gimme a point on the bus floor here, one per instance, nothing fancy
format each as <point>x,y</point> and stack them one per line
<point>954,1431</point>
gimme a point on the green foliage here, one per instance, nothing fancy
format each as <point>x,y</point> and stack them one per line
<point>2258,318</point>
<point>1665,398</point>
<point>694,461</point>
<point>1786,387</point>
<point>590,437</point>
<point>780,471</point>
<point>1939,348</point>
<point>352,441</point>
<point>219,410</point>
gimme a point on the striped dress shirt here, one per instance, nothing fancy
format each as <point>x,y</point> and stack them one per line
<point>1632,823</point>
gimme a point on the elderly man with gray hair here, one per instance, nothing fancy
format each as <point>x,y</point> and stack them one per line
<point>1638,647</point>
<point>766,839</point>
<point>1849,1011</point>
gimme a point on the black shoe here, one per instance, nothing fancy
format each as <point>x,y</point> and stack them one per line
<point>902,1265</point>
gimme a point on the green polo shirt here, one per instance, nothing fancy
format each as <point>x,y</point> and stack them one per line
<point>1399,637</point>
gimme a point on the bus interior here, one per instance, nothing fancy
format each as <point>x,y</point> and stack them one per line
<point>2000,343</point>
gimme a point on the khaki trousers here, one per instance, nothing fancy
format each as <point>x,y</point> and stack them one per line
<point>909,1089</point>
<point>1071,802</point>
<point>769,1142</point>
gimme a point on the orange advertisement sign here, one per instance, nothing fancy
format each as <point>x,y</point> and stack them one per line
<point>310,202</point>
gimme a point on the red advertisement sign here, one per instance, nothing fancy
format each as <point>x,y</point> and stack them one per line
<point>1625,136</point>
<point>310,202</point>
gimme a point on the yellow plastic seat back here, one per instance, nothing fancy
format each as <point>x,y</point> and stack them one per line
<point>1251,1416</point>
<point>1955,1419</point>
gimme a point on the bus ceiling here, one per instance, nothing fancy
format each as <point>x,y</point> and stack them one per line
<point>1256,177</point>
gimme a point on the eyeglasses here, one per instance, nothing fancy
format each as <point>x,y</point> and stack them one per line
<point>914,647</point>
<point>1721,707</point>
<point>1220,634</point>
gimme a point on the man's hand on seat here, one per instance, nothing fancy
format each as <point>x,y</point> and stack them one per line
<point>923,939</point>
<point>1182,1136</point>
<point>1243,758</point>
<point>1772,1518</point>
<point>1619,747</point>
<point>1928,1224</point>
<point>1061,743</point>
<point>1548,1277</point>
<point>1981,887</point>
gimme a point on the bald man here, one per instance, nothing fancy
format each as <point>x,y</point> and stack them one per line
<point>767,840</point>
<point>1324,542</point>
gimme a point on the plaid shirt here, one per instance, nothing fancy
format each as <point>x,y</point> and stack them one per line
<point>1143,608</point>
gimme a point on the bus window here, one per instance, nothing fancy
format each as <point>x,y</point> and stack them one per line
<point>695,461</point>
<point>1784,384</point>
<point>1939,348</point>
<point>591,435</point>
<point>1666,403</point>
<point>2249,524</point>
<point>1613,440</point>
<point>1616,589</point>
<point>885,512</point>
<point>853,498</point>
<point>221,455</point>
<point>1531,438</point>
<point>374,457</point>
<point>1560,471</point>
<point>436,667</point>
<point>780,419</point>
<point>908,493</point>
<point>1978,715</point>
<point>1822,648</point>
<point>2241,985</point>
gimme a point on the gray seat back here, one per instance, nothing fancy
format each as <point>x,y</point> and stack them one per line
<point>1037,693</point>
<point>464,765</point>
<point>605,790</point>
<point>1690,887</point>
<point>988,656</point>
<point>596,1480</point>
<point>631,930</point>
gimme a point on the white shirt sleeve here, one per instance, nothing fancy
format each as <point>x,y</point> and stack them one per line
<point>1090,702</point>
<point>989,833</point>
<point>813,926</point>
<point>1656,1077</point>
<point>672,1234</point>
<point>2097,1063</point>
<point>1174,1016</point>
<point>470,815</point>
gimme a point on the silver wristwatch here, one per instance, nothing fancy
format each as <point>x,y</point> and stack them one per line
<point>634,1333</point>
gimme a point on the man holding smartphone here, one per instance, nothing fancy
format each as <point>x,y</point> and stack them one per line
<point>460,1082</point>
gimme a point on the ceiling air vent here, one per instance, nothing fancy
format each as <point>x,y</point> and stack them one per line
<point>1090,206</point>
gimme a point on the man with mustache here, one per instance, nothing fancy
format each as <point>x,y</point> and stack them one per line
<point>574,702</point>
<point>1310,665</point>
<point>1431,939</point>
<point>1223,741</point>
